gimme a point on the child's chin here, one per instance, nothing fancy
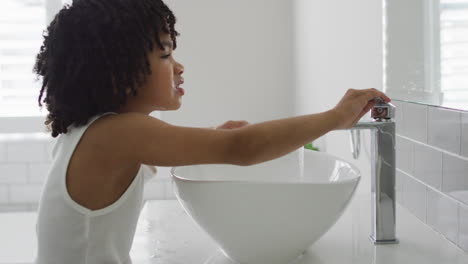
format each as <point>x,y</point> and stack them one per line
<point>167,108</point>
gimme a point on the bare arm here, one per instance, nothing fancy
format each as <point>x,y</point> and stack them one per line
<point>231,124</point>
<point>273,139</point>
<point>269,140</point>
<point>139,138</point>
<point>143,139</point>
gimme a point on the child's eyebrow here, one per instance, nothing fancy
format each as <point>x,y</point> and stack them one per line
<point>167,43</point>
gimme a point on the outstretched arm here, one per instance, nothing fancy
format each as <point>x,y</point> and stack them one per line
<point>138,138</point>
<point>231,124</point>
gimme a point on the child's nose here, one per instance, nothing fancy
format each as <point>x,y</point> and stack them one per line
<point>179,68</point>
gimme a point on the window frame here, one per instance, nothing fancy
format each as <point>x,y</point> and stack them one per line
<point>432,49</point>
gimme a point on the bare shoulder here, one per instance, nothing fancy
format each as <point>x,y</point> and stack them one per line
<point>99,171</point>
<point>112,133</point>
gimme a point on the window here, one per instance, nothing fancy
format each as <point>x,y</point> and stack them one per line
<point>454,52</point>
<point>22,23</point>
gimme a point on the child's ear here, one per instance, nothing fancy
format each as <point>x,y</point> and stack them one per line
<point>127,91</point>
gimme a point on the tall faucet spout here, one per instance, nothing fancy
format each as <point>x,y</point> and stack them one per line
<point>383,171</point>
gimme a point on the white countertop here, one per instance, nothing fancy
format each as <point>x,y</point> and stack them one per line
<point>166,234</point>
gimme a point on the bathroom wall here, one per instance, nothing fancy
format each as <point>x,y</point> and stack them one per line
<point>339,46</point>
<point>238,61</point>
<point>24,160</point>
<point>432,167</point>
<point>238,66</point>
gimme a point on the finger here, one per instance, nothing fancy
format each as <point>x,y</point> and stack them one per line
<point>368,107</point>
<point>364,111</point>
<point>358,117</point>
<point>232,124</point>
<point>239,122</point>
<point>370,94</point>
<point>228,125</point>
<point>382,95</point>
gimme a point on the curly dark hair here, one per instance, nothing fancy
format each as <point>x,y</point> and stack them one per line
<point>94,50</point>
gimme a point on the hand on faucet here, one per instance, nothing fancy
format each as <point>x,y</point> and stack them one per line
<point>355,104</point>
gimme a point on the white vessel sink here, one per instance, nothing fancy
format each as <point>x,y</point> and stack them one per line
<point>267,213</point>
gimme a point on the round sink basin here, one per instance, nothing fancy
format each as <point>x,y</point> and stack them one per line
<point>267,213</point>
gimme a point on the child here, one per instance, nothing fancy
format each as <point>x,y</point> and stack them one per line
<point>106,65</point>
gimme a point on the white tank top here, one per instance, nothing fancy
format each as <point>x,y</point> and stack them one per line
<point>70,233</point>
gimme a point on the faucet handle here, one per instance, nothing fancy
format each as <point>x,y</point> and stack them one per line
<point>382,110</point>
<point>378,100</point>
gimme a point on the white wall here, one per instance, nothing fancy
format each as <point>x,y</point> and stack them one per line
<point>238,66</point>
<point>338,46</point>
<point>238,61</point>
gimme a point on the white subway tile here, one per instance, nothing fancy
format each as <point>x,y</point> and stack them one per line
<point>455,173</point>
<point>398,117</point>
<point>464,135</point>
<point>442,214</point>
<point>415,121</point>
<point>38,172</point>
<point>18,137</point>
<point>461,196</point>
<point>26,151</point>
<point>3,152</point>
<point>4,194</point>
<point>463,222</point>
<point>399,177</point>
<point>13,173</point>
<point>25,193</point>
<point>404,154</point>
<point>414,197</point>
<point>428,165</point>
<point>15,207</point>
<point>444,128</point>
<point>48,148</point>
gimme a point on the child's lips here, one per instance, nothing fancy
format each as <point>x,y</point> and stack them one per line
<point>180,90</point>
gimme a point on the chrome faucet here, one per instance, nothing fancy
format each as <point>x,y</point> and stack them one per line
<point>382,170</point>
